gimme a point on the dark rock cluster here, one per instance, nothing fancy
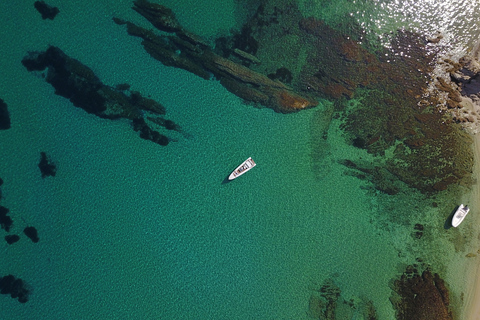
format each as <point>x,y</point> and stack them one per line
<point>6,223</point>
<point>421,296</point>
<point>418,234</point>
<point>5,220</point>
<point>32,233</point>
<point>327,303</point>
<point>46,166</point>
<point>15,287</point>
<point>430,153</point>
<point>4,116</point>
<point>12,238</point>
<point>46,10</point>
<point>78,83</point>
<point>188,51</point>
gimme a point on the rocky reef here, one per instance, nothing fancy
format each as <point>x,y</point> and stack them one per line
<point>32,233</point>
<point>327,303</point>
<point>5,220</point>
<point>421,296</point>
<point>282,60</point>
<point>78,83</point>
<point>12,238</point>
<point>4,116</point>
<point>15,287</point>
<point>381,98</point>
<point>46,10</point>
<point>183,49</point>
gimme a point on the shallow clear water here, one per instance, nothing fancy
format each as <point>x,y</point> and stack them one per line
<point>132,230</point>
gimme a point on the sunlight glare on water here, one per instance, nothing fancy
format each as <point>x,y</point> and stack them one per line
<point>456,20</point>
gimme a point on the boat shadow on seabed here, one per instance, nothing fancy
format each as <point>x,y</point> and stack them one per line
<point>448,222</point>
<point>225,181</point>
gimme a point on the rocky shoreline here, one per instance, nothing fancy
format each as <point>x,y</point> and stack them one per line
<point>460,85</point>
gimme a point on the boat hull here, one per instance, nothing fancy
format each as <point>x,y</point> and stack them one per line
<point>459,215</point>
<point>241,169</point>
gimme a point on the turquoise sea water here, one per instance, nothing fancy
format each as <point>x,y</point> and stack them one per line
<point>132,230</point>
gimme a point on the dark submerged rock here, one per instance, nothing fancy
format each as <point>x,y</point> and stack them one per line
<point>31,232</point>
<point>4,116</point>
<point>421,296</point>
<point>47,11</point>
<point>47,167</point>
<point>78,83</point>
<point>5,221</point>
<point>326,301</point>
<point>188,51</point>
<point>12,238</point>
<point>147,133</point>
<point>15,287</point>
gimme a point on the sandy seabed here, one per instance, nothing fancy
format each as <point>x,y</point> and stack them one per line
<point>472,296</point>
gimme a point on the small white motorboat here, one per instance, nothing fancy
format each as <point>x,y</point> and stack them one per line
<point>459,215</point>
<point>241,169</point>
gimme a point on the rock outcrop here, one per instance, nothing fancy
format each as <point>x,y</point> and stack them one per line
<point>421,297</point>
<point>32,233</point>
<point>4,116</point>
<point>47,11</point>
<point>15,287</point>
<point>327,303</point>
<point>12,238</point>
<point>188,51</point>
<point>5,220</point>
<point>46,166</point>
<point>78,83</point>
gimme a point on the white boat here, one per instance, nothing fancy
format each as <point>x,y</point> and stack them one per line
<point>241,169</point>
<point>459,215</point>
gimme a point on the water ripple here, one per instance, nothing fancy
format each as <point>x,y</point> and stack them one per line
<point>456,20</point>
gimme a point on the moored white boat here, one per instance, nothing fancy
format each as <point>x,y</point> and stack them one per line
<point>460,215</point>
<point>241,169</point>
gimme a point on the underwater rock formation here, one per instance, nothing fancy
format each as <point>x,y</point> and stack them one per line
<point>12,238</point>
<point>32,233</point>
<point>188,51</point>
<point>47,11</point>
<point>78,83</point>
<point>421,297</point>
<point>326,303</point>
<point>427,150</point>
<point>378,93</point>
<point>15,287</point>
<point>5,221</point>
<point>287,62</point>
<point>46,166</point>
<point>4,116</point>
